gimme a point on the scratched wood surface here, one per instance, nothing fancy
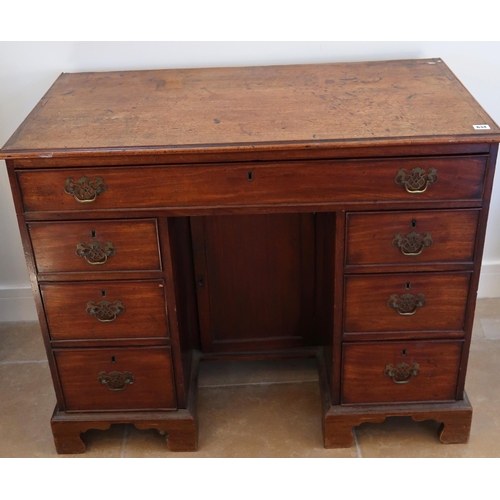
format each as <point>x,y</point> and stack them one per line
<point>393,102</point>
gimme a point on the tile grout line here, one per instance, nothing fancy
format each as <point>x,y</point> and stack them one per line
<point>257,383</point>
<point>357,444</point>
<point>23,362</point>
<point>124,441</point>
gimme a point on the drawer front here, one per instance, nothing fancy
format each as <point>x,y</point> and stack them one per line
<point>116,379</point>
<point>388,372</point>
<point>406,302</point>
<point>253,184</point>
<point>411,237</point>
<point>130,245</point>
<point>105,310</point>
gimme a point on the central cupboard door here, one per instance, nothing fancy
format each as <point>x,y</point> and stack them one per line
<point>255,281</point>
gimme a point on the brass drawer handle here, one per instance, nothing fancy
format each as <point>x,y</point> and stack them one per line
<point>85,190</point>
<point>417,181</point>
<point>116,381</point>
<point>412,244</point>
<point>95,252</point>
<point>105,311</point>
<point>402,373</point>
<point>407,304</point>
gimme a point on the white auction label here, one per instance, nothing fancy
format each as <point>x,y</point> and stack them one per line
<point>481,127</point>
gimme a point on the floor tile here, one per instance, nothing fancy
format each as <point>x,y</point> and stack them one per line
<point>477,328</point>
<point>483,376</point>
<point>280,420</point>
<point>27,402</point>
<point>491,328</point>
<point>21,342</point>
<point>488,308</point>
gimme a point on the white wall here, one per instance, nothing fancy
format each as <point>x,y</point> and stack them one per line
<point>27,69</point>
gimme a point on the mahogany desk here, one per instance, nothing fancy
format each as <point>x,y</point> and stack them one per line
<point>335,211</point>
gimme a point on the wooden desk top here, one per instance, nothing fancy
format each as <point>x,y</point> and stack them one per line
<point>256,108</point>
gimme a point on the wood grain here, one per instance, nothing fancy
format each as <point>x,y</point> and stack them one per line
<point>258,281</point>
<point>460,178</point>
<point>366,299</point>
<point>244,154</point>
<point>135,243</point>
<point>370,236</point>
<point>363,365</point>
<point>191,109</point>
<point>66,309</point>
<point>153,387</point>
<point>455,418</point>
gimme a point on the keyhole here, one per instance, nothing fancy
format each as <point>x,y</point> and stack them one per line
<point>201,281</point>
<point>403,353</point>
<point>103,293</point>
<point>408,285</point>
<point>113,359</point>
<point>93,233</point>
<point>250,175</point>
<point>413,223</point>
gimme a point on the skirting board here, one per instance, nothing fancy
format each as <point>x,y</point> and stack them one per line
<point>17,304</point>
<point>489,282</point>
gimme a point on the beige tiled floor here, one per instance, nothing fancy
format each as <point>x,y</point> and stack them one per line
<point>247,409</point>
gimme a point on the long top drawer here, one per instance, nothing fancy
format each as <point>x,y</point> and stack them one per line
<point>420,179</point>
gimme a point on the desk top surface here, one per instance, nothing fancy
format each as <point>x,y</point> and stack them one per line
<point>268,107</point>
